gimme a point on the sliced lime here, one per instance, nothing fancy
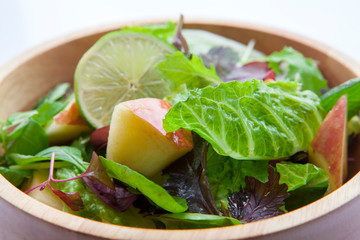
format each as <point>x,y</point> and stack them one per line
<point>119,67</point>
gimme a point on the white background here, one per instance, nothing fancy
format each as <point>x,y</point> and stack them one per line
<point>28,23</point>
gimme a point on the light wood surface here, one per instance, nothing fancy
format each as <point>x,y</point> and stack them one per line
<point>28,77</point>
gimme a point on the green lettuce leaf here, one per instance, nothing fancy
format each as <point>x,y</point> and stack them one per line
<point>177,69</point>
<point>164,31</point>
<point>195,220</point>
<point>306,183</point>
<point>30,140</point>
<point>63,153</point>
<point>151,190</point>
<point>250,120</point>
<point>227,175</point>
<point>352,89</point>
<point>57,94</point>
<point>94,207</point>
<point>16,177</point>
<point>299,68</point>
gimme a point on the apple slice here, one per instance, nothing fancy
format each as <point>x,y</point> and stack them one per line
<point>137,138</point>
<point>328,149</point>
<point>46,196</point>
<point>66,125</point>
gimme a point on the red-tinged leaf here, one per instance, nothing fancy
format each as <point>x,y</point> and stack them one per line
<point>179,41</point>
<point>187,179</point>
<point>258,200</point>
<point>97,170</point>
<point>73,200</point>
<point>249,71</point>
<point>99,137</point>
<point>115,195</point>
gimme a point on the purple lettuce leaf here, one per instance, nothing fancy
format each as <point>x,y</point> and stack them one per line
<point>258,200</point>
<point>222,58</point>
<point>179,41</point>
<point>73,200</point>
<point>187,179</point>
<point>249,71</point>
<point>99,137</point>
<point>115,195</point>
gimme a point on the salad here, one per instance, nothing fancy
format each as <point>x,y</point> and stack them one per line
<point>175,128</point>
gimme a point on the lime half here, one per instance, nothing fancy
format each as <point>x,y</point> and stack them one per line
<point>119,67</point>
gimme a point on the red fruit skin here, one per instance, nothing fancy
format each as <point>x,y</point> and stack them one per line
<point>328,149</point>
<point>154,111</point>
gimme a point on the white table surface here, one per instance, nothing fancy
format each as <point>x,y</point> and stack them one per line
<point>28,23</point>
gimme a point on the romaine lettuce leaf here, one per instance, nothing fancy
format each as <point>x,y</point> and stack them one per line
<point>296,175</point>
<point>250,120</point>
<point>306,183</point>
<point>298,68</point>
<point>227,175</point>
<point>151,190</point>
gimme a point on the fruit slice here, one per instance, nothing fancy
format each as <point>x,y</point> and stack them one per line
<point>119,67</point>
<point>137,138</point>
<point>328,149</point>
<point>66,125</point>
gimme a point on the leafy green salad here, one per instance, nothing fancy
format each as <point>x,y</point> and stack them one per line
<point>172,128</point>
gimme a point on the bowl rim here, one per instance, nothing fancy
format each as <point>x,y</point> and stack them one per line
<point>349,191</point>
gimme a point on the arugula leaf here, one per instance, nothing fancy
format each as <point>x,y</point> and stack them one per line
<point>250,120</point>
<point>151,190</point>
<point>187,179</point>
<point>164,31</point>
<point>258,200</point>
<point>195,220</point>
<point>16,177</point>
<point>64,153</point>
<point>306,183</point>
<point>227,175</point>
<point>177,69</point>
<point>94,207</point>
<point>299,69</point>
<point>352,89</point>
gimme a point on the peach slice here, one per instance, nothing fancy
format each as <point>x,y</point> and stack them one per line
<point>328,149</point>
<point>66,125</point>
<point>137,138</point>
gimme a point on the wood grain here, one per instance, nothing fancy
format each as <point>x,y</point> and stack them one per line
<point>28,77</point>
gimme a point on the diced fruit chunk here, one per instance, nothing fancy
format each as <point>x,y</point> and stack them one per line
<point>46,196</point>
<point>328,149</point>
<point>66,125</point>
<point>137,138</point>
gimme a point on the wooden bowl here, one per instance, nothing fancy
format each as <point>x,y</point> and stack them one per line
<point>25,79</point>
